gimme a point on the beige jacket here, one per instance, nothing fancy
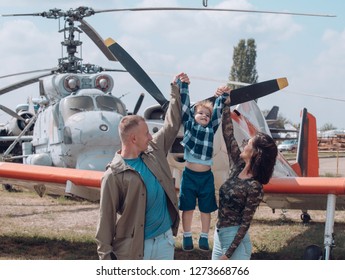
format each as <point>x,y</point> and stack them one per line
<point>123,194</point>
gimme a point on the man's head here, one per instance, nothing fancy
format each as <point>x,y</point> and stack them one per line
<point>134,133</point>
<point>203,112</point>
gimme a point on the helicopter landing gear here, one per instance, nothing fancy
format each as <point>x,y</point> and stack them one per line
<point>7,187</point>
<point>305,217</point>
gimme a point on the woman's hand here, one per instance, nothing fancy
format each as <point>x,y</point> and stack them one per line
<point>221,90</point>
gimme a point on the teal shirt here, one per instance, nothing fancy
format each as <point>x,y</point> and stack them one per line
<point>157,218</point>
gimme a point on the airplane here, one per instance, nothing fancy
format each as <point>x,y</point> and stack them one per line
<point>272,115</point>
<point>293,186</point>
<point>74,130</point>
<point>275,125</point>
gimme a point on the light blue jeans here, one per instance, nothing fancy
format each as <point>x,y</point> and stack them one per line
<point>223,238</point>
<point>161,247</point>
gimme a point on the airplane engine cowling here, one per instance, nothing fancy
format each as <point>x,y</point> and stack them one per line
<point>154,112</point>
<point>16,126</point>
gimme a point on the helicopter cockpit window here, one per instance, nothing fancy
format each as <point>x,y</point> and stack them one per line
<point>76,104</point>
<point>110,103</point>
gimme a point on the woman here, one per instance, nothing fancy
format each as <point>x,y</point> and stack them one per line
<point>242,192</point>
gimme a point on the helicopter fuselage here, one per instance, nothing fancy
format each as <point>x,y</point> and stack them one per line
<point>79,129</point>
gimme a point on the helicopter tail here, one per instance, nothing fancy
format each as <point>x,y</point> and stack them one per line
<point>307,164</point>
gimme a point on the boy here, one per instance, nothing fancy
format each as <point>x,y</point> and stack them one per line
<point>200,124</point>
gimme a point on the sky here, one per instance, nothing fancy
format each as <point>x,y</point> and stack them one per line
<point>308,50</point>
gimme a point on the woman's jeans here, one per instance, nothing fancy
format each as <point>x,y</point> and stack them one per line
<point>223,238</point>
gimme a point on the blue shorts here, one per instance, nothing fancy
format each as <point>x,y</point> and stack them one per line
<point>197,186</point>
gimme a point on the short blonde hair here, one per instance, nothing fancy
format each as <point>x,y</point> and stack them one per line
<point>204,104</point>
<point>127,124</point>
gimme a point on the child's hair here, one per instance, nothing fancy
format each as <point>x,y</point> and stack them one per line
<point>204,104</point>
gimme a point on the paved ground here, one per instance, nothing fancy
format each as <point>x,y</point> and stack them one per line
<point>332,166</point>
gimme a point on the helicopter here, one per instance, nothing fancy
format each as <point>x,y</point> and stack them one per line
<point>75,117</point>
<point>73,122</point>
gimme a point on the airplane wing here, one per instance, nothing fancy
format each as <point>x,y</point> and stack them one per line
<point>304,193</point>
<point>53,180</point>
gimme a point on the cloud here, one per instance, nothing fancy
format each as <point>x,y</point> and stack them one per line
<point>309,52</point>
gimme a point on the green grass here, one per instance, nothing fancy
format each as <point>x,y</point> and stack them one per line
<point>41,247</point>
<point>34,228</point>
<point>272,241</point>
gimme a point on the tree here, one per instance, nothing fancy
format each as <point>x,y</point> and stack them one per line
<point>327,126</point>
<point>244,63</point>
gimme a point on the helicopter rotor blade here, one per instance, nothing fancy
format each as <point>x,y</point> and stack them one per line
<point>138,104</point>
<point>82,12</point>
<point>28,72</point>
<point>97,39</point>
<point>22,83</point>
<point>210,10</point>
<point>136,71</point>
<point>113,70</point>
<point>114,52</point>
<point>11,113</point>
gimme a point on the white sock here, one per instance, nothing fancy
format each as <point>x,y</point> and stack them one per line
<point>204,235</point>
<point>187,234</point>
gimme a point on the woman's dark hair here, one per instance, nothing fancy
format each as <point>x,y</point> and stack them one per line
<point>264,157</point>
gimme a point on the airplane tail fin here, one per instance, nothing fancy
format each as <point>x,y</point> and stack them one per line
<point>307,152</point>
<point>273,114</point>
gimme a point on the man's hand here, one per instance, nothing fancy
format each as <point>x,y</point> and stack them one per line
<point>183,78</point>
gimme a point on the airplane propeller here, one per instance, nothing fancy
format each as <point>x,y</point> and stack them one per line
<point>12,113</point>
<point>255,91</point>
<point>138,104</point>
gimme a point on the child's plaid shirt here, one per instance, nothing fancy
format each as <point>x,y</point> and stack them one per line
<point>198,140</point>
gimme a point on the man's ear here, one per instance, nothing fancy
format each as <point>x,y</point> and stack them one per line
<point>132,138</point>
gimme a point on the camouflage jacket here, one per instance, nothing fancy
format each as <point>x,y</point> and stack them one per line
<point>238,198</point>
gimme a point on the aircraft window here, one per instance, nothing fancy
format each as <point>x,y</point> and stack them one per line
<point>76,104</point>
<point>110,103</point>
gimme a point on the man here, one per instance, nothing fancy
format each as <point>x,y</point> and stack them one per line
<point>138,187</point>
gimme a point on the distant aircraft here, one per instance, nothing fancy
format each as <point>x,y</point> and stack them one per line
<point>274,124</point>
<point>272,115</point>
